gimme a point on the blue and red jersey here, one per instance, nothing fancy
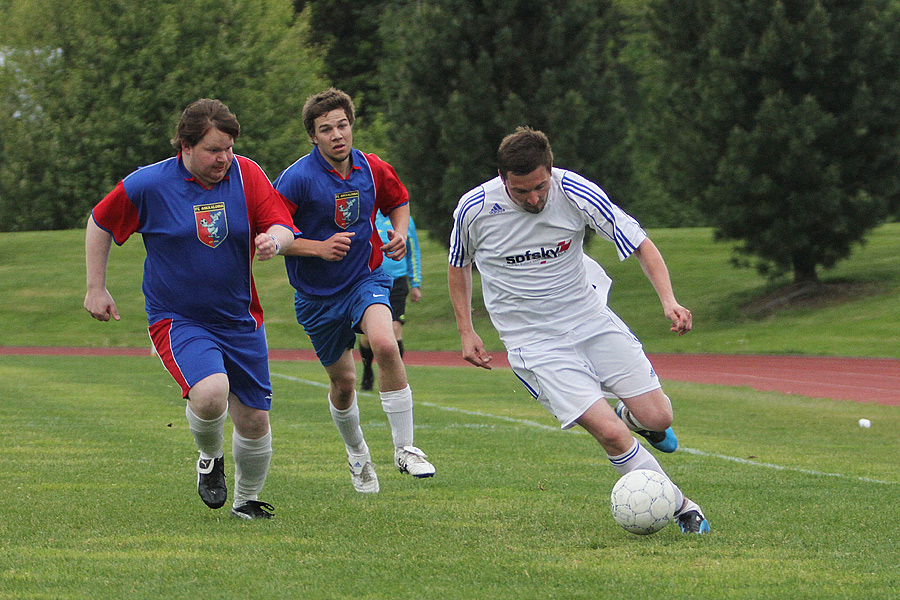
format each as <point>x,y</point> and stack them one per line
<point>324,203</point>
<point>199,241</point>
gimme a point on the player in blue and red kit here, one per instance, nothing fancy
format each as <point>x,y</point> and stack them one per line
<point>202,215</point>
<point>341,290</point>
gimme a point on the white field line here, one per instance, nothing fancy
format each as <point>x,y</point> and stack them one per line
<point>536,425</point>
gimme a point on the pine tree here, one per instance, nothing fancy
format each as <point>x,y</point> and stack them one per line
<point>779,118</point>
<point>458,76</point>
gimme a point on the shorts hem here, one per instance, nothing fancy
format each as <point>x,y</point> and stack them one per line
<point>570,422</point>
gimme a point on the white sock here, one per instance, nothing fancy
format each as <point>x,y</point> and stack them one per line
<point>251,465</point>
<point>347,422</point>
<point>640,458</point>
<point>208,435</point>
<point>398,406</point>
<point>689,505</point>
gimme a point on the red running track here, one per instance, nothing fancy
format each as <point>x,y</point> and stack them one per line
<point>858,379</point>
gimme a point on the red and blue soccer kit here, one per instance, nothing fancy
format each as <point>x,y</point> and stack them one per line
<point>332,296</point>
<point>204,313</point>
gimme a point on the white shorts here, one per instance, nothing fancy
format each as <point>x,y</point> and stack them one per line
<point>599,358</point>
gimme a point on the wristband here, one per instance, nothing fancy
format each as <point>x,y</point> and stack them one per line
<point>277,245</point>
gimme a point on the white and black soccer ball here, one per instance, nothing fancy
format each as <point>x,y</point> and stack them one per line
<point>643,501</point>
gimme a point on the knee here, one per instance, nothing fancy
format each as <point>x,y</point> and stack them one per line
<point>614,437</point>
<point>251,424</point>
<point>385,350</point>
<point>343,382</point>
<point>208,398</point>
<point>611,432</point>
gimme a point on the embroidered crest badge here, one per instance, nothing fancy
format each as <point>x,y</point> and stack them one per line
<point>346,208</point>
<point>212,224</point>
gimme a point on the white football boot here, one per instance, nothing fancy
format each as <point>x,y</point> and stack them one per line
<point>410,459</point>
<point>362,473</point>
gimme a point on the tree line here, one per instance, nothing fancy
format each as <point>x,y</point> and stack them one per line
<point>773,121</point>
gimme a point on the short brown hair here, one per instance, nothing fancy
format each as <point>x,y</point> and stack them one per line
<point>323,103</point>
<point>523,151</point>
<point>201,116</point>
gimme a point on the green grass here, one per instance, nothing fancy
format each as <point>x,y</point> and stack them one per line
<point>100,501</point>
<point>42,290</point>
<point>715,292</point>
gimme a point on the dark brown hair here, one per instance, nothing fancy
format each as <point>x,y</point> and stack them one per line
<point>323,103</point>
<point>523,151</point>
<point>201,116</point>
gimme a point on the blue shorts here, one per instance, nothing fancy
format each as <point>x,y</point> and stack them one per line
<point>332,322</point>
<point>192,351</point>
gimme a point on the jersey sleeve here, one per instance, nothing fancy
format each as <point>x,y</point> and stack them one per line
<point>461,246</point>
<point>413,256</point>
<point>117,214</point>
<point>602,215</point>
<point>266,206</point>
<point>389,190</point>
<point>287,187</point>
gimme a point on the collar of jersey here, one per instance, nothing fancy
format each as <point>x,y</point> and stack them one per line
<point>317,156</point>
<point>188,176</point>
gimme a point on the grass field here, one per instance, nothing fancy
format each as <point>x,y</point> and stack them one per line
<point>98,466</point>
<point>42,290</point>
<point>100,499</point>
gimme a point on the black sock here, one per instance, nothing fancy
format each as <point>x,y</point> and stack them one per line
<point>367,356</point>
<point>400,345</point>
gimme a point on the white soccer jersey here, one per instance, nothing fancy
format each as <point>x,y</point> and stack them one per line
<point>597,278</point>
<point>532,275</point>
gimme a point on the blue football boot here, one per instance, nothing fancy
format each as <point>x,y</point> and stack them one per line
<point>693,521</point>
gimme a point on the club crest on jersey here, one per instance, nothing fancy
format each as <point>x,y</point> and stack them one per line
<point>212,225</point>
<point>346,208</point>
<point>539,255</point>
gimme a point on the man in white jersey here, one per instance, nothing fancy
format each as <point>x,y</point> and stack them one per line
<point>524,231</point>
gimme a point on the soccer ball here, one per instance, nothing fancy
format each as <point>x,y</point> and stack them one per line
<point>643,501</point>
